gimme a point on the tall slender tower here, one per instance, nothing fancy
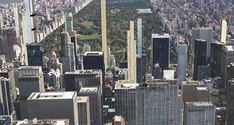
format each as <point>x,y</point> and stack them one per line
<point>224,31</point>
<point>104,35</point>
<point>139,36</point>
<point>131,54</point>
<point>34,20</point>
<point>27,21</point>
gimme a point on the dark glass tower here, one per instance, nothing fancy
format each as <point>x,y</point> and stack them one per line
<point>35,53</point>
<point>160,50</point>
<point>199,56</point>
<point>94,60</point>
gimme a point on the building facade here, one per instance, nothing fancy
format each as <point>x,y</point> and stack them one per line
<point>29,79</point>
<point>182,61</point>
<point>94,95</point>
<point>161,50</point>
<point>125,95</point>
<point>83,110</point>
<point>199,113</point>
<point>159,103</point>
<point>67,53</point>
<point>51,105</point>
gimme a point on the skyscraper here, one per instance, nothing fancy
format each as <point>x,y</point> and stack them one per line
<point>230,103</point>
<point>159,103</point>
<point>67,53</point>
<point>7,100</point>
<point>17,21</point>
<point>199,113</point>
<point>144,66</point>
<point>161,50</point>
<point>139,67</point>
<point>83,110</point>
<point>8,40</point>
<point>27,22</point>
<point>104,33</point>
<point>182,61</point>
<point>199,56</point>
<point>194,91</point>
<point>74,41</point>
<point>131,47</point>
<point>126,101</point>
<point>73,81</point>
<point>216,58</point>
<point>35,54</point>
<point>53,105</point>
<point>139,36</point>
<point>223,36</point>
<point>94,95</point>
<point>68,20</point>
<point>94,60</point>
<point>34,20</point>
<point>227,57</point>
<point>29,79</point>
<point>205,33</point>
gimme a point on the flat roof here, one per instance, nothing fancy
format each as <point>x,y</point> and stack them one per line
<point>229,48</point>
<point>89,90</point>
<point>93,71</point>
<point>126,85</point>
<point>165,35</point>
<point>202,89</point>
<point>118,118</point>
<point>199,104</point>
<point>192,82</point>
<point>43,122</point>
<point>124,81</point>
<point>93,53</point>
<point>30,67</point>
<point>82,99</point>
<point>169,74</point>
<point>51,95</point>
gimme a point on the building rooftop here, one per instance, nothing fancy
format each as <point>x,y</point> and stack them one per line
<point>202,89</point>
<point>192,82</point>
<point>43,122</point>
<point>30,67</point>
<point>82,99</point>
<point>93,53</point>
<point>169,74</point>
<point>118,118</point>
<point>89,90</point>
<point>200,40</point>
<point>229,48</point>
<point>124,81</point>
<point>126,85</point>
<point>4,118</point>
<point>199,104</point>
<point>165,35</point>
<point>93,71</point>
<point>51,95</point>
